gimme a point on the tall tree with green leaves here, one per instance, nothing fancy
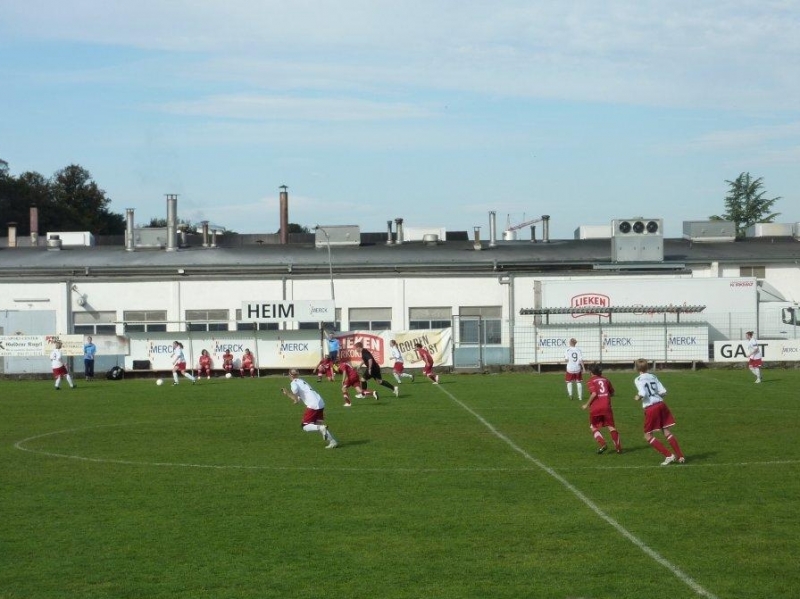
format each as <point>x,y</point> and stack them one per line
<point>746,203</point>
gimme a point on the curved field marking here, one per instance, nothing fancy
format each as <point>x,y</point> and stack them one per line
<point>649,551</point>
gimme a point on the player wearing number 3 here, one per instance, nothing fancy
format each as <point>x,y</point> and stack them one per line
<point>657,416</point>
<point>599,405</point>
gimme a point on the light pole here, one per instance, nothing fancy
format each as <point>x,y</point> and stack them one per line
<point>330,261</point>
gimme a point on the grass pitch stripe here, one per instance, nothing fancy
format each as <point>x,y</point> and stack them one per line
<point>649,551</point>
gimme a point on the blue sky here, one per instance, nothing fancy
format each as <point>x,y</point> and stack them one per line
<point>434,111</point>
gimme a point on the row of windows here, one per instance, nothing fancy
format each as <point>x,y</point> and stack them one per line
<point>474,322</point>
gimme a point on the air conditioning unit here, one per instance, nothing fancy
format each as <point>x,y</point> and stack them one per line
<point>637,240</point>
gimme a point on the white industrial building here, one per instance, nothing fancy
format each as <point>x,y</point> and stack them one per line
<point>160,284</point>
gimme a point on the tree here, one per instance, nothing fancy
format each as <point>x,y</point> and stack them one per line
<point>295,228</point>
<point>82,204</point>
<point>746,205</point>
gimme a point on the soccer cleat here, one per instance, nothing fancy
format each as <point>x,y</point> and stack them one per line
<point>348,404</point>
<point>681,460</point>
<point>332,445</point>
<point>58,388</point>
<point>668,460</point>
<point>412,378</point>
<point>602,449</point>
<point>758,380</point>
<point>376,396</point>
<point>396,392</point>
<point>359,396</point>
<point>173,384</point>
<point>619,449</point>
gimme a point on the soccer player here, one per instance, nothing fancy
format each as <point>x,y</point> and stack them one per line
<point>59,367</point>
<point>247,364</point>
<point>373,369</point>
<point>204,364</point>
<point>754,356</point>
<point>314,416</point>
<point>657,416</point>
<point>574,358</point>
<point>599,405</point>
<point>89,351</point>
<point>324,369</point>
<point>427,363</point>
<point>398,367</point>
<point>227,361</point>
<point>350,378</point>
<point>179,363</point>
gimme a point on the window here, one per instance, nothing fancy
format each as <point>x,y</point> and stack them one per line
<point>249,325</point>
<point>206,320</point>
<point>370,319</point>
<point>143,321</point>
<point>429,318</point>
<point>94,323</point>
<point>759,272</point>
<point>480,325</point>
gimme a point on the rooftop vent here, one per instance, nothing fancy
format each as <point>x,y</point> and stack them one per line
<point>709,230</point>
<point>637,239</point>
<point>770,230</point>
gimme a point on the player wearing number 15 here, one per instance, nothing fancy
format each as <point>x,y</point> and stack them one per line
<point>657,416</point>
<point>599,405</point>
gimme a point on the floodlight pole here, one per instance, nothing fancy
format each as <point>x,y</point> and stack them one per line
<point>330,262</point>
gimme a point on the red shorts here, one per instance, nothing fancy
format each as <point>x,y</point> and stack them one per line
<point>60,371</point>
<point>179,367</point>
<point>310,416</point>
<point>227,367</point>
<point>751,363</point>
<point>398,367</point>
<point>602,419</point>
<point>657,417</point>
<point>427,369</point>
<point>353,381</point>
<point>573,376</point>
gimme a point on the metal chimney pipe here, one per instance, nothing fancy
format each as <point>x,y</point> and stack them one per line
<point>172,222</point>
<point>389,239</point>
<point>546,228</point>
<point>477,243</point>
<point>130,244</point>
<point>213,238</point>
<point>399,223</point>
<point>12,235</point>
<point>34,226</point>
<point>284,208</point>
<point>492,229</point>
<point>533,233</point>
<point>205,233</point>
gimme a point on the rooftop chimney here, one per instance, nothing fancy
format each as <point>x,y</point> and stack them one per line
<point>399,223</point>
<point>284,201</point>
<point>546,228</point>
<point>205,233</point>
<point>34,226</point>
<point>492,229</point>
<point>477,243</point>
<point>12,235</point>
<point>130,243</point>
<point>172,222</point>
<point>389,239</point>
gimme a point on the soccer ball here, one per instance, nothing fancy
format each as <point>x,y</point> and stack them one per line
<point>159,382</point>
<point>228,375</point>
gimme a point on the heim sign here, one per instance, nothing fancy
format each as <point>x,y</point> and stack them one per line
<point>282,311</point>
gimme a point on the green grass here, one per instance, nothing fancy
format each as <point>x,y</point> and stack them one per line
<point>486,486</point>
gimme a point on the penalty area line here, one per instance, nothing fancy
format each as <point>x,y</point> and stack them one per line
<point>644,547</point>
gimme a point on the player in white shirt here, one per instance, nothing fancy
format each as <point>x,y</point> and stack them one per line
<point>574,359</point>
<point>314,416</point>
<point>179,363</point>
<point>754,355</point>
<point>59,367</point>
<point>657,416</point>
<point>398,367</point>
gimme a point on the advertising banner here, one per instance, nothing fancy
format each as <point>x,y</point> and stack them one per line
<point>773,350</point>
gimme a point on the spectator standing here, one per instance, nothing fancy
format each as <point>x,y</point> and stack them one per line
<point>398,368</point>
<point>574,358</point>
<point>89,351</point>
<point>754,355</point>
<point>427,361</point>
<point>373,369</point>
<point>314,416</point>
<point>60,367</point>
<point>204,364</point>
<point>600,413</point>
<point>179,363</point>
<point>657,416</point>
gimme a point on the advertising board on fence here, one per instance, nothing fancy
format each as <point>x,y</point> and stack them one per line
<point>773,350</point>
<point>31,346</point>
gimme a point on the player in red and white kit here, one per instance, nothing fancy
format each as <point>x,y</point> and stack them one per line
<point>657,416</point>
<point>574,359</point>
<point>204,364</point>
<point>247,364</point>
<point>427,360</point>
<point>754,355</point>
<point>350,379</point>
<point>59,367</point>
<point>324,369</point>
<point>600,413</point>
<point>227,361</point>
<point>314,415</point>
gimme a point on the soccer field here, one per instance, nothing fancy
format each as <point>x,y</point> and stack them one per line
<point>486,486</point>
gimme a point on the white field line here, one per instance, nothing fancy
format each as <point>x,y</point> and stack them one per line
<point>652,553</point>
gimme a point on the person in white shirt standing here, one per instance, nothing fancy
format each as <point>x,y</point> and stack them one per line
<point>574,359</point>
<point>59,367</point>
<point>398,368</point>
<point>314,416</point>
<point>754,355</point>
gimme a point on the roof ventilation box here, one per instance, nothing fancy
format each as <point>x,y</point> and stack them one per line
<point>637,240</point>
<point>709,230</point>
